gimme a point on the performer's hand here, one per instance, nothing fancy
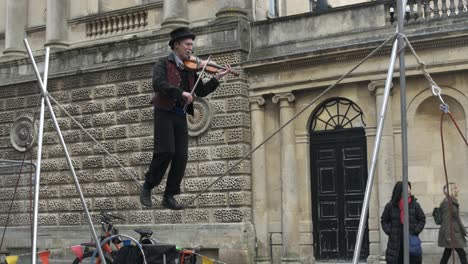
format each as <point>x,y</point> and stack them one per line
<point>187,97</point>
<point>223,72</point>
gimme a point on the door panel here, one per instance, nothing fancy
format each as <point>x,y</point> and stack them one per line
<point>339,174</point>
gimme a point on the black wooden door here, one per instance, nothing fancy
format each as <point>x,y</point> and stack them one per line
<point>339,174</point>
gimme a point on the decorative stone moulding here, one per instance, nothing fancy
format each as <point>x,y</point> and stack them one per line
<point>201,120</point>
<point>23,133</point>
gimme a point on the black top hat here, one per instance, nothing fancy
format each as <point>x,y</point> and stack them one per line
<point>180,33</point>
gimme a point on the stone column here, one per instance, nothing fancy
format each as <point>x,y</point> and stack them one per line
<point>15,27</point>
<point>175,14</point>
<point>57,24</point>
<point>386,159</point>
<point>233,8</point>
<point>259,180</point>
<point>290,199</point>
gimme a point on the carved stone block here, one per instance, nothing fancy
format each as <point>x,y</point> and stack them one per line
<point>56,177</point>
<point>111,162</point>
<point>238,104</point>
<point>96,133</point>
<point>116,104</point>
<point>127,145</point>
<point>127,88</point>
<point>240,198</point>
<point>245,167</point>
<point>104,119</point>
<point>72,109</point>
<point>116,132</point>
<point>166,216</point>
<point>231,120</point>
<point>92,107</point>
<point>147,114</point>
<point>140,71</point>
<point>233,183</point>
<point>105,91</point>
<point>63,122</point>
<point>230,215</point>
<point>238,135</point>
<point>141,158</point>
<point>139,101</point>
<point>199,153</point>
<point>58,205</point>
<point>108,145</point>
<point>142,129</point>
<point>7,117</point>
<point>14,103</point>
<point>116,188</point>
<point>146,85</point>
<point>48,192</point>
<point>230,151</point>
<point>231,90</point>
<point>128,203</point>
<point>48,219</point>
<point>81,94</point>
<point>62,97</point>
<point>218,106</point>
<point>84,176</point>
<point>212,137</point>
<point>104,204</point>
<point>116,75</point>
<point>69,219</point>
<point>140,217</point>
<point>72,136</point>
<point>130,116</point>
<point>196,184</point>
<point>75,204</point>
<point>212,168</point>
<point>147,143</point>
<point>90,162</point>
<point>105,175</point>
<point>68,191</point>
<point>81,149</point>
<point>212,199</point>
<point>191,170</point>
<point>197,216</point>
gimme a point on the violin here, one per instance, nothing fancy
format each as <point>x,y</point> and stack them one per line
<point>193,63</point>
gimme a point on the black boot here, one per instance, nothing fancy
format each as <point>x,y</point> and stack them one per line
<point>170,203</point>
<point>145,195</point>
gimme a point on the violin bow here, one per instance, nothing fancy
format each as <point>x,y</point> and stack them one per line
<point>198,80</point>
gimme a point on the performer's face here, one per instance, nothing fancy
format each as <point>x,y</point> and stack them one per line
<point>183,48</point>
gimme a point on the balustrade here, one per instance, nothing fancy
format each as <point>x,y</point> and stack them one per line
<point>116,24</point>
<point>417,10</point>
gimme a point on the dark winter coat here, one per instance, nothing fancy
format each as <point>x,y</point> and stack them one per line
<point>392,226</point>
<point>459,231</point>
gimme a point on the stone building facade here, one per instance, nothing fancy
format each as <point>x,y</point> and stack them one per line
<point>297,198</point>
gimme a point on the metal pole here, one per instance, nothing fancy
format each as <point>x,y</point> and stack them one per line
<point>62,141</point>
<point>401,5</point>
<point>38,163</point>
<point>375,152</point>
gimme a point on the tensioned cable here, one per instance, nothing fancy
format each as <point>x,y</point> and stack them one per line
<point>253,150</point>
<point>293,118</point>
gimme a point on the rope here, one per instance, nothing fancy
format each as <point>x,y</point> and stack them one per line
<point>292,119</point>
<point>449,199</point>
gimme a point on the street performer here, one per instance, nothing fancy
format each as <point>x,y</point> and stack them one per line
<point>173,84</point>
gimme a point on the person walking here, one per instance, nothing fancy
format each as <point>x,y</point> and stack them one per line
<point>450,221</point>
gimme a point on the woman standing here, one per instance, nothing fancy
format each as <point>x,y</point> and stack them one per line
<point>392,224</point>
<point>459,231</point>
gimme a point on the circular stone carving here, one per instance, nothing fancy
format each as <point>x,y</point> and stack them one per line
<point>201,119</point>
<point>23,133</point>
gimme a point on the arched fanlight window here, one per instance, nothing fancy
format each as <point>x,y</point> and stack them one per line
<point>337,113</point>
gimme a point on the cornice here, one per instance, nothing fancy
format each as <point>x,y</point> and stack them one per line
<point>352,53</point>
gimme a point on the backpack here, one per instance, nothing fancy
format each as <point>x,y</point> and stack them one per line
<point>437,214</point>
<point>128,254</point>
